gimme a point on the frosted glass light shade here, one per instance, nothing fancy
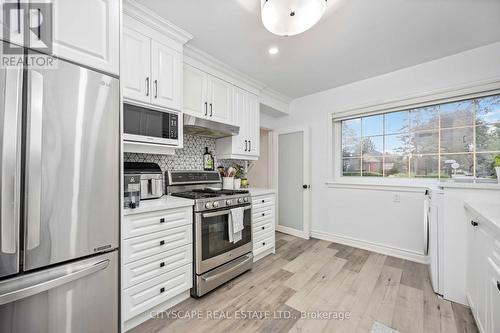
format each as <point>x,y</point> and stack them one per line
<point>291,17</point>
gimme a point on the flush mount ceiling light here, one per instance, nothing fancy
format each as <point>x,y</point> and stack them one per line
<point>291,17</point>
<point>273,50</point>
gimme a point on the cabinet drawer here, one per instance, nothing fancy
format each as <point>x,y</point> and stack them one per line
<point>144,296</point>
<point>142,224</point>
<point>263,244</point>
<point>145,246</point>
<point>145,269</point>
<point>261,221</point>
<point>262,229</point>
<point>263,201</point>
<point>264,214</point>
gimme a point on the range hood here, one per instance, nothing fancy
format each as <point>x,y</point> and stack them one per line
<point>209,128</point>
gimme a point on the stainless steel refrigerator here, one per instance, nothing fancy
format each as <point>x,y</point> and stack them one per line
<point>59,200</point>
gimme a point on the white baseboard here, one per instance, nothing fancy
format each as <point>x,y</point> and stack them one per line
<point>291,231</point>
<point>139,319</point>
<point>374,247</point>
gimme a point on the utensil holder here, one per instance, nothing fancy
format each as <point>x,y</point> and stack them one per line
<point>227,183</point>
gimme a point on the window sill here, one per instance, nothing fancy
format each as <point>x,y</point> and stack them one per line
<point>414,186</point>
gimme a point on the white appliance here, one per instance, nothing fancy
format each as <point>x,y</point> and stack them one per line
<point>433,235</point>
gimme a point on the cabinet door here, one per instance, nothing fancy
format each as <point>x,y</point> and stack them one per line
<point>240,118</point>
<point>11,31</point>
<point>219,100</point>
<point>136,78</point>
<point>253,125</point>
<point>166,77</point>
<point>88,32</point>
<point>195,92</point>
<point>494,297</point>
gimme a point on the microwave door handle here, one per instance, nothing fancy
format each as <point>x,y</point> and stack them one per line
<point>34,160</point>
<point>223,212</point>
<point>10,163</point>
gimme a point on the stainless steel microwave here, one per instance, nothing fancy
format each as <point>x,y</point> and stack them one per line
<point>141,124</point>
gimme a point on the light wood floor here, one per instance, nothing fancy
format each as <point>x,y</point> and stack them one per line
<point>319,277</point>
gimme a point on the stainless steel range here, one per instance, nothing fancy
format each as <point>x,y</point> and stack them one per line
<point>216,259</point>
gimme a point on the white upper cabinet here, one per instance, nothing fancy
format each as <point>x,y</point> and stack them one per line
<point>152,72</point>
<point>85,32</point>
<point>88,32</point>
<point>246,115</point>
<point>195,92</point>
<point>137,63</point>
<point>219,100</point>
<point>207,96</point>
<point>166,76</point>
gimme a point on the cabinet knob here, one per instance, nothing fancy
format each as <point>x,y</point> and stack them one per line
<point>263,214</point>
<point>263,243</point>
<point>162,290</point>
<point>263,201</point>
<point>162,242</point>
<point>474,223</point>
<point>162,220</point>
<point>162,264</point>
<point>263,228</point>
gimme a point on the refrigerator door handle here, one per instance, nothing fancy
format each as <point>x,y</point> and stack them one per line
<point>34,160</point>
<point>10,167</point>
<point>17,294</point>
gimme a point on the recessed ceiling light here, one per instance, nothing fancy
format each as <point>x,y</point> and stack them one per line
<point>273,50</point>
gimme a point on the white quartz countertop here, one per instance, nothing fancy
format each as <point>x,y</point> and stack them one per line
<point>260,191</point>
<point>489,212</point>
<point>165,202</point>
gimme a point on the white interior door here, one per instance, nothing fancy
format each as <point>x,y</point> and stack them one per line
<point>292,181</point>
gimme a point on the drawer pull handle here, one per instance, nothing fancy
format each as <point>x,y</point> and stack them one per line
<point>162,242</point>
<point>474,223</point>
<point>162,220</point>
<point>162,264</point>
<point>162,290</point>
<point>263,201</point>
<point>498,285</point>
<point>263,243</point>
<point>263,214</point>
<point>263,228</point>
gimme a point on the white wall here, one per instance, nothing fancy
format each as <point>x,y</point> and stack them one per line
<point>258,171</point>
<point>371,216</point>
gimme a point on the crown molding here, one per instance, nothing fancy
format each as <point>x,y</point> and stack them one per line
<point>148,17</point>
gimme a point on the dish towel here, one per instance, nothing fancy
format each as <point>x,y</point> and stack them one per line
<point>235,224</point>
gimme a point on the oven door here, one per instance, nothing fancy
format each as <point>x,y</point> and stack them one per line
<point>212,239</point>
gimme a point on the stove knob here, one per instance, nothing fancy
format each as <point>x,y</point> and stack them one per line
<point>228,202</point>
<point>245,199</point>
<point>209,205</point>
<point>216,204</point>
<point>240,200</point>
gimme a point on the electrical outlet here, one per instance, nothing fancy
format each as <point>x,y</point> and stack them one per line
<point>396,197</point>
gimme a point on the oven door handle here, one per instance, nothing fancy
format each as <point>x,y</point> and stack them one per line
<point>224,212</point>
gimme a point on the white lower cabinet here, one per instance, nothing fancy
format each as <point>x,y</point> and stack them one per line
<point>157,262</point>
<point>263,222</point>
<point>483,274</point>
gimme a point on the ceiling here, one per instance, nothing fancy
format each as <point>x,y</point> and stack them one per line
<point>355,40</point>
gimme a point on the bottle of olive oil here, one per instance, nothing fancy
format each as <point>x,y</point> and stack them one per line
<point>208,161</point>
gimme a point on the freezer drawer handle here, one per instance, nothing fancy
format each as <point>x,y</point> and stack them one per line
<point>12,296</point>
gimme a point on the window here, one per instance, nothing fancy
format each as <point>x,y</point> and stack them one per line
<point>459,140</point>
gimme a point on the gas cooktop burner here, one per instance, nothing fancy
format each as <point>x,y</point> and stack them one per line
<point>194,195</point>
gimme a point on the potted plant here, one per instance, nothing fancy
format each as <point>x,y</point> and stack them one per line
<point>240,174</point>
<point>497,167</point>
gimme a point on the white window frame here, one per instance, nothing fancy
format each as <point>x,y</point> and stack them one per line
<point>335,178</point>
